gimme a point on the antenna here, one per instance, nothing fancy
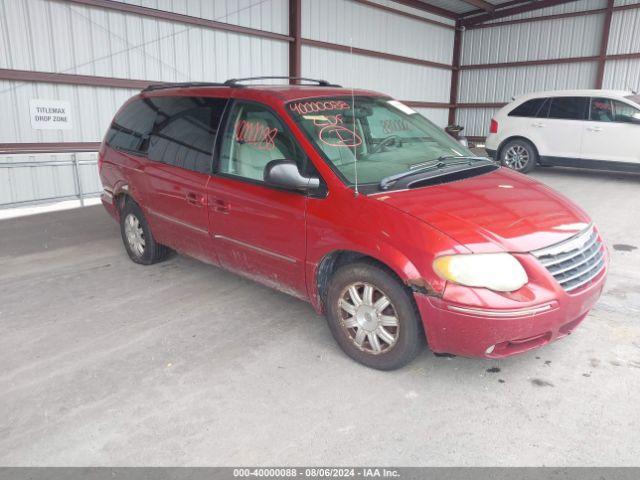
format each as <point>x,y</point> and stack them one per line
<point>353,114</point>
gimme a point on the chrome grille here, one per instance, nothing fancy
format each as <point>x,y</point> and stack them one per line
<point>574,262</point>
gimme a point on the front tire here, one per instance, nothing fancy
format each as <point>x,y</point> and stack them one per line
<point>137,237</point>
<point>519,155</point>
<point>372,317</point>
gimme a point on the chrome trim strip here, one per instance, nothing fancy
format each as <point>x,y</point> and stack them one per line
<point>257,249</point>
<point>177,222</point>
<point>563,257</point>
<point>501,313</point>
<point>588,279</point>
<point>574,243</point>
<point>579,264</point>
<point>599,263</point>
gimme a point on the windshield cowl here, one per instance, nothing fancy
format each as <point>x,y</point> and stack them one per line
<point>442,166</point>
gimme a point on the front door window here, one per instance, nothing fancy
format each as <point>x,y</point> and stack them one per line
<point>253,138</point>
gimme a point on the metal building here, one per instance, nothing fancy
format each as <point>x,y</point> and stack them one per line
<point>457,61</point>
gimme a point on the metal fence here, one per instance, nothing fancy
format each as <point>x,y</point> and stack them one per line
<point>28,179</point>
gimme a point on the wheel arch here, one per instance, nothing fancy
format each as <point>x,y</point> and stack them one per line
<point>336,259</point>
<point>121,193</point>
<point>516,137</point>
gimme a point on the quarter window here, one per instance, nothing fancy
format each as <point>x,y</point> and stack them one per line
<point>255,136</point>
<point>184,132</point>
<point>529,108</point>
<point>569,108</point>
<point>130,129</point>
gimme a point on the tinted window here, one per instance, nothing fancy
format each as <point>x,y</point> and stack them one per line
<point>569,108</point>
<point>601,110</point>
<point>185,130</point>
<point>528,109</point>
<point>131,127</point>
<point>255,136</point>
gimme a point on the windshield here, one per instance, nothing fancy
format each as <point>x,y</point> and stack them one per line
<point>382,137</point>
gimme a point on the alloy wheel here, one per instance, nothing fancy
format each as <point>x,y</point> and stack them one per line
<point>369,318</point>
<point>516,157</point>
<point>134,234</point>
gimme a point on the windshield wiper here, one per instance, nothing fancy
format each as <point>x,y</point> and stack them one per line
<point>416,168</point>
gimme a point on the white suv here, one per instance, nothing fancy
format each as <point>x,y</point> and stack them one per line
<point>574,128</point>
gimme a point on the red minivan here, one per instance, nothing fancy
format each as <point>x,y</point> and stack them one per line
<point>356,203</point>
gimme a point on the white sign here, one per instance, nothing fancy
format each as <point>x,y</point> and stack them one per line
<point>50,114</point>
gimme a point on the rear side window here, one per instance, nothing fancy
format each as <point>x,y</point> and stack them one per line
<point>530,108</point>
<point>185,130</point>
<point>569,108</point>
<point>130,129</point>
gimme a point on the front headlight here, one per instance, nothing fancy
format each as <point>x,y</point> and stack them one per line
<point>501,272</point>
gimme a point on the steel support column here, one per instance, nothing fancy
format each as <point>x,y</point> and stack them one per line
<point>455,73</point>
<point>604,44</point>
<point>295,32</point>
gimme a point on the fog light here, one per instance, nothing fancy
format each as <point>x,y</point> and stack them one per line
<point>490,349</point>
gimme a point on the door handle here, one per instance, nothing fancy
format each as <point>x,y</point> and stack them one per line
<point>538,125</point>
<point>595,129</point>
<point>221,206</point>
<point>195,199</point>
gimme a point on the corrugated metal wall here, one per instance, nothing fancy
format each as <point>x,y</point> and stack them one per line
<point>623,38</point>
<point>59,36</point>
<point>55,36</point>
<point>578,36</point>
<point>359,26</point>
<point>270,15</point>
<point>560,38</point>
<point>400,80</point>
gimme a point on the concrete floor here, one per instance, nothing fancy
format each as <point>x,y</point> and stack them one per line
<point>105,362</point>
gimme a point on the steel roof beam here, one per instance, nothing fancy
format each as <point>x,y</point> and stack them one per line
<point>507,12</point>
<point>482,5</point>
<point>425,7</point>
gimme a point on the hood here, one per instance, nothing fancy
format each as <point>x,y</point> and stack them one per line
<point>499,211</point>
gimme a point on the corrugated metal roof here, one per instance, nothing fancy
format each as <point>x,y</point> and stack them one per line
<point>460,6</point>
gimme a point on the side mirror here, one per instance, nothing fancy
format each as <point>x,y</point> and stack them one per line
<point>285,174</point>
<point>463,141</point>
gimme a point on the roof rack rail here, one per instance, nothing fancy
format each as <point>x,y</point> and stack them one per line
<point>160,86</point>
<point>235,82</point>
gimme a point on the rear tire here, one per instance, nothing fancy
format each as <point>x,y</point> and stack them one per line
<point>372,317</point>
<point>137,237</point>
<point>519,155</point>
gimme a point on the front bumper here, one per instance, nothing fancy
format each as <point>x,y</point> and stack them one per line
<point>479,323</point>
